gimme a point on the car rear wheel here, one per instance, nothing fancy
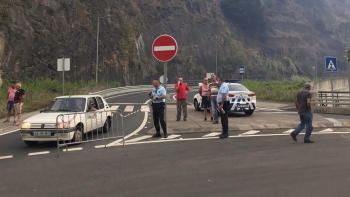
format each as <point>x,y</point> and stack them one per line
<point>31,143</point>
<point>196,105</point>
<point>249,113</point>
<point>107,126</point>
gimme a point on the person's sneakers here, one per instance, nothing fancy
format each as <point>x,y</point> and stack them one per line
<point>165,135</point>
<point>185,119</point>
<point>156,135</point>
<point>309,141</point>
<point>216,122</point>
<point>293,136</point>
<point>6,121</point>
<point>177,119</point>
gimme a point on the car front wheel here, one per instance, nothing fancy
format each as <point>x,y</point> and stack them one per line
<point>196,105</point>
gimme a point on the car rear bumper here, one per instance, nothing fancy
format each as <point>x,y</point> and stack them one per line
<point>241,107</point>
<point>63,134</point>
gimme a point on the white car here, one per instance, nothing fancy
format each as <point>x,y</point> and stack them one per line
<point>44,126</point>
<point>241,99</point>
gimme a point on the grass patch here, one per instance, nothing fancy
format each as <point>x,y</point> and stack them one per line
<point>39,92</point>
<point>277,91</point>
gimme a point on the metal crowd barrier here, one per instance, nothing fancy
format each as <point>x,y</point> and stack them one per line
<point>76,128</point>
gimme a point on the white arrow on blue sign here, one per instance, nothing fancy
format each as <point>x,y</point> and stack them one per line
<point>241,70</point>
<point>331,64</point>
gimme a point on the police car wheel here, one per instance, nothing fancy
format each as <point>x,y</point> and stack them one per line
<point>249,113</point>
<point>196,105</point>
<point>78,134</point>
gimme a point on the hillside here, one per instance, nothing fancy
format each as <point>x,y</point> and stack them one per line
<point>272,38</point>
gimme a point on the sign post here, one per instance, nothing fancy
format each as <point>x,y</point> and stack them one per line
<point>241,71</point>
<point>331,67</point>
<point>63,64</point>
<point>164,49</point>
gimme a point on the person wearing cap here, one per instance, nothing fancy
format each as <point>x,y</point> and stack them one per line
<point>158,97</point>
<point>303,105</point>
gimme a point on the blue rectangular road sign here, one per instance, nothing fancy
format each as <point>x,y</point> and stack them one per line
<point>241,70</point>
<point>331,64</point>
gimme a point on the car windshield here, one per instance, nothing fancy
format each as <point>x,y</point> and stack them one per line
<point>67,105</point>
<point>237,88</point>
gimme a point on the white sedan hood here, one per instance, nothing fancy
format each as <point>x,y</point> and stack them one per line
<point>44,118</point>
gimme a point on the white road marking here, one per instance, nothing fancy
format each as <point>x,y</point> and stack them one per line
<point>144,122</point>
<point>145,109</point>
<point>174,97</point>
<point>145,127</point>
<point>289,131</point>
<point>6,157</point>
<point>278,112</point>
<point>250,132</point>
<point>9,132</point>
<point>114,107</point>
<point>164,48</point>
<point>129,108</point>
<point>138,138</point>
<point>72,149</point>
<point>336,123</point>
<point>237,136</point>
<point>170,137</point>
<point>212,134</point>
<point>326,130</point>
<point>39,153</point>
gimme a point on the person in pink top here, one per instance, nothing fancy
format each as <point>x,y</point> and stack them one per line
<point>206,103</point>
<point>10,98</point>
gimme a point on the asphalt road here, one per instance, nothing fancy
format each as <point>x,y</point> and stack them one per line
<point>255,166</point>
<point>259,164</point>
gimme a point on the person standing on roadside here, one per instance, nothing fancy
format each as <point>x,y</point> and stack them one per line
<point>10,101</point>
<point>181,98</point>
<point>224,105</point>
<point>158,96</point>
<point>19,96</point>
<point>213,90</point>
<point>303,105</point>
<point>206,104</point>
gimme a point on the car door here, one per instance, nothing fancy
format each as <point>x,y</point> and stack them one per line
<point>92,116</point>
<point>102,116</point>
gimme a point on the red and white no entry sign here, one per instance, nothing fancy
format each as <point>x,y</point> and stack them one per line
<point>164,48</point>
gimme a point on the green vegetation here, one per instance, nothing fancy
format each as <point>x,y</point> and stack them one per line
<point>39,92</point>
<point>277,91</point>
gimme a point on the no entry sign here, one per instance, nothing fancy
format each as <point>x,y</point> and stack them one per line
<point>164,48</point>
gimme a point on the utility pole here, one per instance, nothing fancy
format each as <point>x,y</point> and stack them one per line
<point>98,30</point>
<point>347,56</point>
<point>316,63</point>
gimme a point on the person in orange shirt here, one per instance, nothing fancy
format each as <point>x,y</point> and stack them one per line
<point>206,103</point>
<point>181,97</point>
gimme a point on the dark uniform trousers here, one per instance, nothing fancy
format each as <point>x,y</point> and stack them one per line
<point>158,116</point>
<point>224,117</point>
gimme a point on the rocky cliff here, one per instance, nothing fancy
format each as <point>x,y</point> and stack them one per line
<point>272,38</point>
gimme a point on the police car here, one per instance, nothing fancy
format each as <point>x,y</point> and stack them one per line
<point>241,99</point>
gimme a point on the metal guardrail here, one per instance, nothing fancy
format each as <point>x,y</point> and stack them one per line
<point>128,89</point>
<point>333,102</point>
<point>77,128</point>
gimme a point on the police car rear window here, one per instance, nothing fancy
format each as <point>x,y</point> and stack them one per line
<point>237,88</point>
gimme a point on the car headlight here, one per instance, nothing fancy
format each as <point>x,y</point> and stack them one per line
<point>25,125</point>
<point>62,125</point>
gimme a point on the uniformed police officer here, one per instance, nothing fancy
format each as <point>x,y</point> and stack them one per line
<point>158,95</point>
<point>224,105</point>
